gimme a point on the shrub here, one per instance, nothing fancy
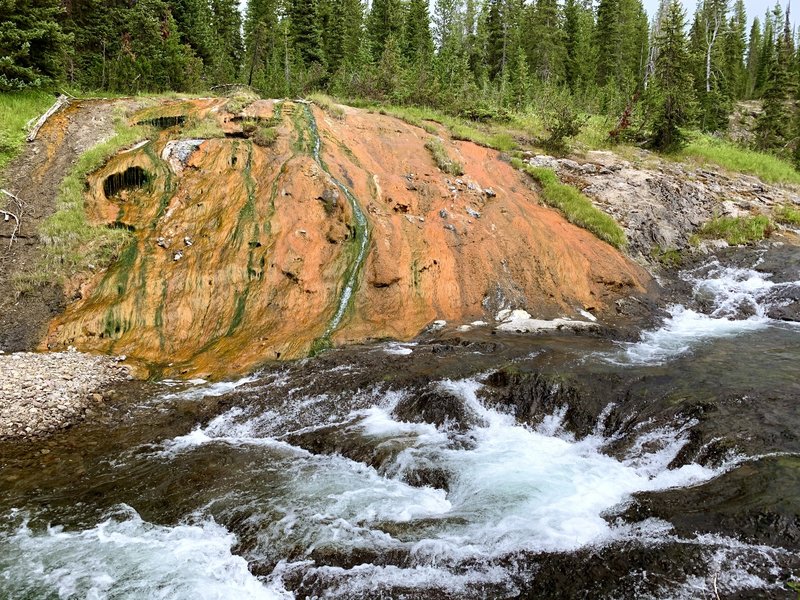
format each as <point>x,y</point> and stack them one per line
<point>264,136</point>
<point>561,122</point>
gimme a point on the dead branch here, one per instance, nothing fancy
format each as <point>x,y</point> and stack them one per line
<point>20,204</point>
<point>59,104</point>
<point>716,591</point>
<point>8,215</point>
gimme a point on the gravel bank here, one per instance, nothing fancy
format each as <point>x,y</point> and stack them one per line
<point>43,393</point>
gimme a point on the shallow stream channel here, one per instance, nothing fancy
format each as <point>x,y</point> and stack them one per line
<point>469,465</point>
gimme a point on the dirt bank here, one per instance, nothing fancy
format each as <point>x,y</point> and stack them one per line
<point>34,177</point>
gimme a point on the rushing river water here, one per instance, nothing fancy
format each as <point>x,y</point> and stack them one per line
<point>478,466</point>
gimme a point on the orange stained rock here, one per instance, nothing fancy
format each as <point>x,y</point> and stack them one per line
<point>239,253</point>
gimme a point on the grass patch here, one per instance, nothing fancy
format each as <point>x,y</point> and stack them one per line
<point>490,136</point>
<point>241,98</point>
<point>206,128</point>
<point>264,136</point>
<point>766,167</point>
<point>71,243</point>
<point>787,214</point>
<point>16,109</point>
<point>442,157</point>
<point>576,207</point>
<point>327,104</point>
<point>737,230</point>
<point>669,258</point>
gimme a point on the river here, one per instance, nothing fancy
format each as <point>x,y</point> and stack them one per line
<point>473,465</point>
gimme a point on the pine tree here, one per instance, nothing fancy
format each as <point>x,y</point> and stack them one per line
<point>263,63</point>
<point>385,21</point>
<point>229,50</point>
<point>495,36</point>
<point>151,56</point>
<point>772,126</point>
<point>546,44</point>
<point>306,31</point>
<point>735,46</point>
<point>417,38</point>
<point>578,32</point>
<point>31,43</point>
<point>670,93</point>
<point>709,68</point>
<point>767,55</point>
<point>621,39</point>
<point>753,59</point>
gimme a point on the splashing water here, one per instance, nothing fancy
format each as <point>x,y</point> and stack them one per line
<point>730,292</point>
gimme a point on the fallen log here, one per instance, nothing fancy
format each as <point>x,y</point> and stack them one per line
<point>61,102</point>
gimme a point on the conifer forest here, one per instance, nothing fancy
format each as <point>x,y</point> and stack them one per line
<point>652,76</point>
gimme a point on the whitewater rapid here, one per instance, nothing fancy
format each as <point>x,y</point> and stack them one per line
<point>738,302</point>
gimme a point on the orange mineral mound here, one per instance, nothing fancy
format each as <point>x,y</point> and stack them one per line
<point>341,230</point>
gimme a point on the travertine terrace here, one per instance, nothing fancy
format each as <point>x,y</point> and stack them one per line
<point>242,253</point>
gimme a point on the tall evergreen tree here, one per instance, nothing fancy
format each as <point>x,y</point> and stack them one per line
<point>229,50</point>
<point>547,51</point>
<point>735,46</point>
<point>709,67</point>
<point>578,32</point>
<point>264,62</point>
<point>417,38</point>
<point>621,39</point>
<point>385,21</point>
<point>670,93</point>
<point>306,31</point>
<point>753,63</point>
<point>772,125</point>
<point>32,43</point>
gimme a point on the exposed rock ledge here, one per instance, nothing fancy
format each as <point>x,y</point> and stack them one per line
<point>43,393</point>
<point>660,203</point>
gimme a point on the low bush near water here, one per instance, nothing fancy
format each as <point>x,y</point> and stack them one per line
<point>737,230</point>
<point>787,214</point>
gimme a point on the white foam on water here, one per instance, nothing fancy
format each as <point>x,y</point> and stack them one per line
<point>729,291</point>
<point>201,389</point>
<point>127,557</point>
<point>511,488</point>
<point>399,348</point>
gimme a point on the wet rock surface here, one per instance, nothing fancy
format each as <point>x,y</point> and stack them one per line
<point>44,393</point>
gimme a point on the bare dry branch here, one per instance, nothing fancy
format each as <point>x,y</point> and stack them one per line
<point>60,103</point>
<point>8,215</point>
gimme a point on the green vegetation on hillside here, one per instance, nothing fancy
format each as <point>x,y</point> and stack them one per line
<point>72,244</point>
<point>788,215</point>
<point>442,157</point>
<point>576,207</point>
<point>546,73</point>
<point>767,167</point>
<point>737,230</point>
<point>16,110</point>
